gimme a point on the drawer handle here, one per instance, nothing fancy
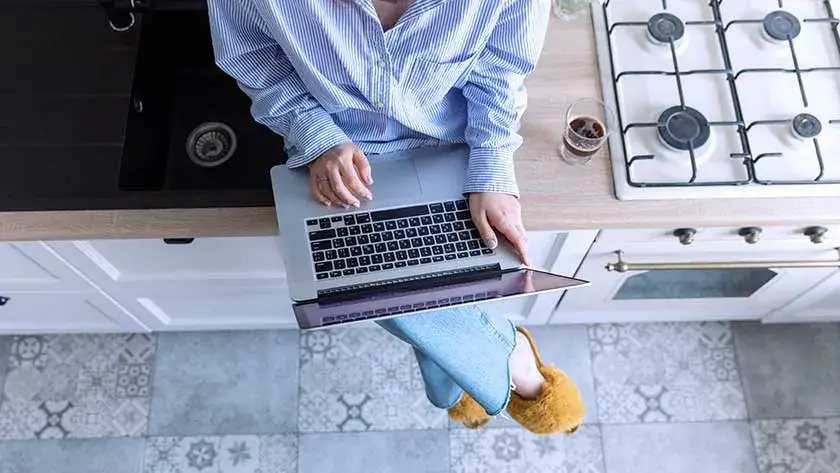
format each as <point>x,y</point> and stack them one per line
<point>622,266</point>
<point>4,301</point>
<point>178,241</point>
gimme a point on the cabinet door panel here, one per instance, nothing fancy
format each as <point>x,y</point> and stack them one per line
<point>32,267</point>
<point>36,313</point>
<point>819,304</point>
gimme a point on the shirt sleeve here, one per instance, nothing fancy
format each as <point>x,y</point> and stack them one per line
<point>510,54</point>
<point>279,99</point>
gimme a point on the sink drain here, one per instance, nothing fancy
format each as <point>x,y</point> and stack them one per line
<point>211,144</point>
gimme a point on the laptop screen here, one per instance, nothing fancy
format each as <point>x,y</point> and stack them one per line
<point>397,301</point>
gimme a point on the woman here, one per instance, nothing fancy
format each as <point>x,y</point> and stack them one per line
<point>341,79</point>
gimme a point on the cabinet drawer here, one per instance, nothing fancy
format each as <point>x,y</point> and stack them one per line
<point>664,237</point>
<point>32,267</point>
<point>34,313</point>
<point>236,261</point>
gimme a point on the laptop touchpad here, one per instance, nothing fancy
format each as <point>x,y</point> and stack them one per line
<point>395,179</point>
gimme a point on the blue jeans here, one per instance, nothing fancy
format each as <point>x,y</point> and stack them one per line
<point>461,349</point>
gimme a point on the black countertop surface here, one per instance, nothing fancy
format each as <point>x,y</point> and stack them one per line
<point>65,84</point>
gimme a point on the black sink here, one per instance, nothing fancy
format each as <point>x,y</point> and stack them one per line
<point>189,126</point>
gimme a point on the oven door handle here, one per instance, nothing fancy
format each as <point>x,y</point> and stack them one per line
<point>622,266</point>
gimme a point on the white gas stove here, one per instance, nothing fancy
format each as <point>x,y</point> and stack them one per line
<point>722,98</point>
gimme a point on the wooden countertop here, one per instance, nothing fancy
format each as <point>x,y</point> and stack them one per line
<point>554,195</point>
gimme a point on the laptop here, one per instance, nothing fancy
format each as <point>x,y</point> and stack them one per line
<point>412,249</point>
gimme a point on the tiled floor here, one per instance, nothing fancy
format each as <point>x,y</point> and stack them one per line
<point>688,398</point>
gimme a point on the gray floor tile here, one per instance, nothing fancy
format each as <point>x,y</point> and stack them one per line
<point>5,347</point>
<point>515,450</point>
<point>368,452</point>
<point>77,386</point>
<point>797,445</point>
<point>720,447</point>
<point>669,372</point>
<point>356,379</point>
<point>565,346</point>
<point>790,370</point>
<point>209,383</point>
<point>225,454</point>
<point>72,456</point>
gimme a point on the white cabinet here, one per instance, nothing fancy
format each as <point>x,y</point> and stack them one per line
<point>33,267</point>
<point>63,312</point>
<point>676,293</point>
<point>821,303</point>
<point>558,252</point>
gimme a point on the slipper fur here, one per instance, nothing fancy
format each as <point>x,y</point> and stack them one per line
<point>468,412</point>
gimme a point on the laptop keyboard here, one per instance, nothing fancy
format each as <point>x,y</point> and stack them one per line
<point>367,242</point>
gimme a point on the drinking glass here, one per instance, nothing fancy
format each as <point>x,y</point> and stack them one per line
<point>589,122</point>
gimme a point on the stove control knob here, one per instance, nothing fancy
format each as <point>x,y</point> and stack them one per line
<point>686,235</point>
<point>751,234</point>
<point>816,234</point>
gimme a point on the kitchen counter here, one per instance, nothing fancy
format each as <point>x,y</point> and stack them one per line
<point>554,195</point>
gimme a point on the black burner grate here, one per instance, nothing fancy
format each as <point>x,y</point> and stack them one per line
<point>782,25</point>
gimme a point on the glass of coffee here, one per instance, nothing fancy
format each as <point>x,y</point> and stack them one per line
<point>589,123</point>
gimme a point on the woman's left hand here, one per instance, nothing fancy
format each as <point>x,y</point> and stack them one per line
<point>502,212</point>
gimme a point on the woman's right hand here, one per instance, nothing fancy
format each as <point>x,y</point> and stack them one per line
<point>340,176</point>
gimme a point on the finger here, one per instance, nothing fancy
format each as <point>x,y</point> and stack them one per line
<point>485,230</point>
<point>526,258</point>
<point>363,166</point>
<point>337,184</point>
<point>316,193</point>
<point>508,229</point>
<point>324,186</point>
<point>352,181</point>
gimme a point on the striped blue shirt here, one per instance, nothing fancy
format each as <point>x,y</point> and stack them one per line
<point>322,72</point>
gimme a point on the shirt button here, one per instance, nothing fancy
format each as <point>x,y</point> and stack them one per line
<point>380,63</point>
<point>378,105</point>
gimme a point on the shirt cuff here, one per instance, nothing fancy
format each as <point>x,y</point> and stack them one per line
<point>491,170</point>
<point>312,133</point>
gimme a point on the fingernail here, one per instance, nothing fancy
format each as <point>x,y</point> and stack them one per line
<point>356,204</point>
<point>490,243</point>
<point>369,197</point>
<point>327,203</point>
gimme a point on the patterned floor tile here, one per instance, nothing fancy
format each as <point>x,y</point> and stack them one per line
<point>791,370</point>
<point>5,346</point>
<point>72,456</point>
<point>365,452</point>
<point>225,454</point>
<point>797,445</point>
<point>359,379</point>
<point>515,451</point>
<point>672,372</point>
<point>68,386</point>
<point>566,347</point>
<point>212,383</point>
<point>701,447</point>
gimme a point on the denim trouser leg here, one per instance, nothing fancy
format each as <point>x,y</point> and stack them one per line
<point>463,348</point>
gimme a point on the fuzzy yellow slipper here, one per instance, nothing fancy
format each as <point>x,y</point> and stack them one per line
<point>559,407</point>
<point>469,413</point>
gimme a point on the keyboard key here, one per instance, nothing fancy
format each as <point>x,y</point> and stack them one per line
<point>323,267</point>
<point>436,208</point>
<point>356,251</point>
<point>364,260</point>
<point>437,259</point>
<point>367,228</point>
<point>425,251</point>
<point>363,239</point>
<point>331,254</point>
<point>379,227</point>
<point>321,276</point>
<point>338,243</point>
<point>337,218</point>
<point>473,245</point>
<point>452,237</point>
<point>335,274</point>
<point>368,249</point>
<point>363,218</point>
<point>405,244</point>
<point>402,223</point>
<point>387,236</point>
<point>318,256</point>
<point>340,264</point>
<point>437,218</point>
<point>438,250</point>
<point>423,231</point>
<point>461,246</point>
<point>449,248</point>
<point>461,205</point>
<point>458,226</point>
<point>389,257</point>
<point>425,260</point>
<point>413,262</point>
<point>413,253</point>
<point>449,206</point>
<point>322,235</point>
<point>350,241</point>
<point>450,256</point>
<point>399,234</point>
<point>487,251</point>
<point>375,238</point>
<point>361,270</point>
<point>321,245</point>
<point>417,242</point>
<point>349,220</point>
<point>465,236</point>
<point>411,233</point>
<point>469,224</point>
<point>402,255</point>
<point>440,239</point>
<point>475,253</point>
<point>446,227</point>
<point>390,225</point>
<point>348,272</point>
<point>343,253</point>
<point>393,246</point>
<point>388,266</point>
<point>312,222</point>
<point>449,217</point>
<point>426,220</point>
<point>343,231</point>
<point>400,264</point>
<point>414,222</point>
<point>355,230</point>
<point>475,234</point>
<point>434,229</point>
<point>463,215</point>
<point>352,262</point>
<point>324,223</point>
<point>381,247</point>
<point>463,255</point>
<point>404,212</point>
<point>374,268</point>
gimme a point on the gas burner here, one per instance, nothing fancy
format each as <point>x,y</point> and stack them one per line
<point>781,26</point>
<point>683,128</point>
<point>663,28</point>
<point>806,126</point>
<point>211,144</point>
